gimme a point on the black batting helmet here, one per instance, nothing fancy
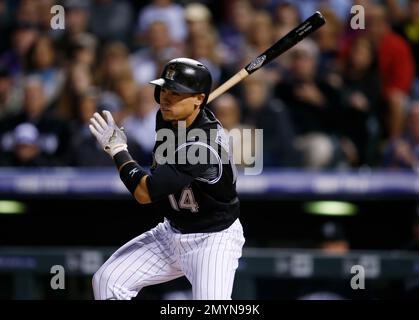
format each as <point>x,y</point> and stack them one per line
<point>186,76</point>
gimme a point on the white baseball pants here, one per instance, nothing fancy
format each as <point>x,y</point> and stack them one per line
<point>208,260</point>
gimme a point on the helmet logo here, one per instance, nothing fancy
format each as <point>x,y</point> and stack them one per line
<point>170,73</point>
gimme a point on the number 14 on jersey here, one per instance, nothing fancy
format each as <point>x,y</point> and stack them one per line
<point>186,201</point>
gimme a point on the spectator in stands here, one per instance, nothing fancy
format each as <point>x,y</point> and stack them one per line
<point>26,148</point>
<point>313,104</point>
<point>27,11</point>
<point>409,29</point>
<point>109,100</point>
<point>114,65</point>
<point>24,35</point>
<point>396,67</point>
<point>119,19</point>
<point>126,88</point>
<point>328,40</point>
<point>140,126</point>
<point>85,151</point>
<point>361,96</point>
<point>44,13</point>
<point>79,80</point>
<point>233,33</point>
<point>286,18</point>
<point>397,10</point>
<point>10,97</point>
<point>262,111</point>
<point>147,63</point>
<point>202,46</point>
<point>341,8</point>
<point>404,152</point>
<point>83,50</point>
<point>77,14</point>
<point>54,132</point>
<point>260,37</point>
<point>226,109</point>
<point>42,62</point>
<point>198,18</point>
<point>163,11</point>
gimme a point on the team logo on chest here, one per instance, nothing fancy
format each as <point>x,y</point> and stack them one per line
<point>170,73</point>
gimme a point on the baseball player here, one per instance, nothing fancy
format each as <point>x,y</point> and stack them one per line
<point>201,236</point>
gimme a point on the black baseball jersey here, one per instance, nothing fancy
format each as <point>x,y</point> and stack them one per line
<point>199,196</point>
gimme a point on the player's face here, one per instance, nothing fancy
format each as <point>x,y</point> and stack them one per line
<point>177,106</point>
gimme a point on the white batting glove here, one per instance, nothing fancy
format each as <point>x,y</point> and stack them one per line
<point>111,138</point>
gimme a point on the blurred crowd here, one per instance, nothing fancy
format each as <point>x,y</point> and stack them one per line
<point>342,98</point>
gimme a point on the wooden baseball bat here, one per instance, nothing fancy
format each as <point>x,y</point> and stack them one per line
<point>307,27</point>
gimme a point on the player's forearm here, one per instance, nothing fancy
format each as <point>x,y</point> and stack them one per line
<point>133,176</point>
<point>141,193</point>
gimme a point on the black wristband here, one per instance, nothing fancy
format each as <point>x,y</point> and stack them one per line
<point>131,175</point>
<point>131,172</point>
<point>122,157</point>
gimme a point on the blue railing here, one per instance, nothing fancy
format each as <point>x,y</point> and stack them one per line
<point>271,183</point>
